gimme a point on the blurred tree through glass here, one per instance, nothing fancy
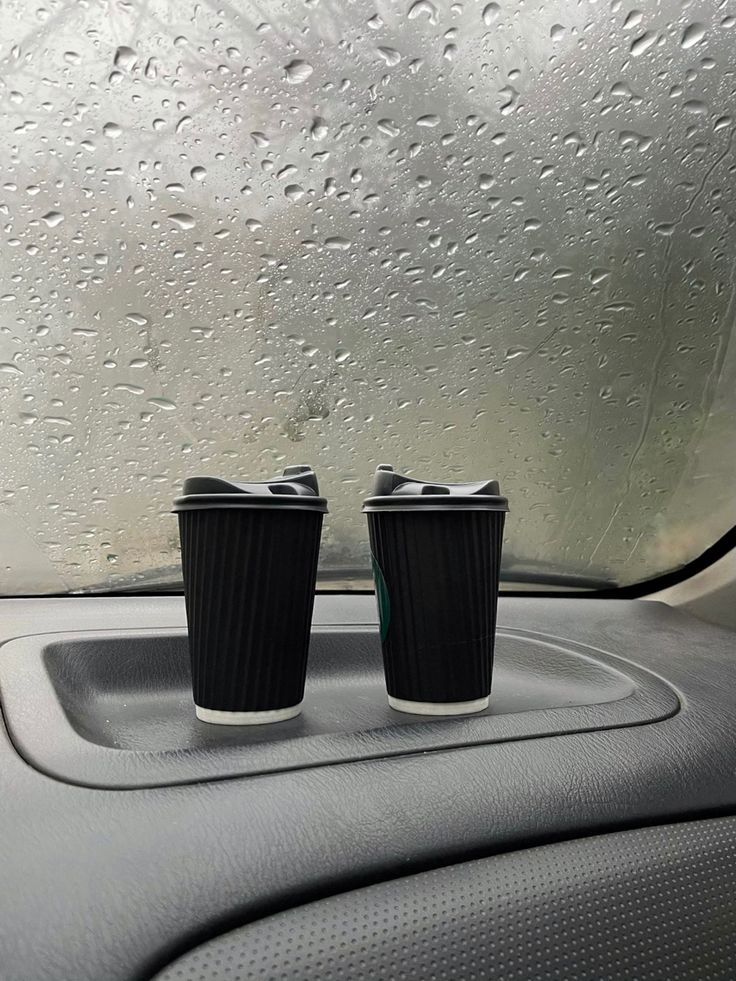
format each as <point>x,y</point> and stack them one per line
<point>469,239</point>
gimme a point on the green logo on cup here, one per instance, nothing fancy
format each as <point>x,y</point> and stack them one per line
<point>384,604</point>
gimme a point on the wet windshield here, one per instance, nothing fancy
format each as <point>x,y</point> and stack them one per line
<point>470,239</point>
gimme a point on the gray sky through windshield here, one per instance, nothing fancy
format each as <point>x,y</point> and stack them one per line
<point>473,240</point>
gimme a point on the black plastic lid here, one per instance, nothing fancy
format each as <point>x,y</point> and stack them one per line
<point>396,492</point>
<point>298,488</point>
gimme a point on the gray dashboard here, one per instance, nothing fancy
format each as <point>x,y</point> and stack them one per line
<point>117,883</point>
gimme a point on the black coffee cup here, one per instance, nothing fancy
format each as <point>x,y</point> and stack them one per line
<point>249,557</point>
<point>436,551</point>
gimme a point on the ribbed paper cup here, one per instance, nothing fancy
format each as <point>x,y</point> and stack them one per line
<point>436,564</point>
<point>250,566</point>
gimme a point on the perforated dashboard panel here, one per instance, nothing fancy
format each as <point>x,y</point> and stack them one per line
<point>118,884</point>
<point>657,904</point>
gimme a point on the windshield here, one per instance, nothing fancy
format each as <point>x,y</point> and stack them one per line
<point>472,240</point>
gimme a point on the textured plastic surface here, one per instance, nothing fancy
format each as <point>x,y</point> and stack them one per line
<point>656,904</point>
<point>115,884</point>
<point>114,710</point>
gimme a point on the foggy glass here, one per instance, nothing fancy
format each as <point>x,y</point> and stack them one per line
<point>472,240</point>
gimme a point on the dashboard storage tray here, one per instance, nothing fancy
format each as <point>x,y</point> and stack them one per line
<point>114,709</point>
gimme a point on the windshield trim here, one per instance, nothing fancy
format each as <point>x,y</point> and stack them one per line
<point>545,585</point>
